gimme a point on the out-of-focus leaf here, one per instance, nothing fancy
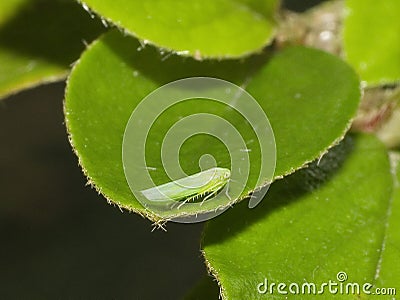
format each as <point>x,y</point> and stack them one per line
<point>200,28</point>
<point>372,40</point>
<point>39,40</point>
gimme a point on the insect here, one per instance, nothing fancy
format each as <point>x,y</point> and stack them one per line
<point>206,183</point>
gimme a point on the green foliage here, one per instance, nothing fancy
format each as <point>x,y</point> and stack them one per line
<point>39,40</point>
<point>389,269</point>
<point>331,217</point>
<point>206,28</point>
<point>371,39</point>
<point>340,212</point>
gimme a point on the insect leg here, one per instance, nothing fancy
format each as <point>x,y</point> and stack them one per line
<point>207,197</point>
<point>186,200</point>
<point>183,202</point>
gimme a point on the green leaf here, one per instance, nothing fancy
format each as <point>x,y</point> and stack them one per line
<point>39,40</point>
<point>326,219</point>
<point>8,8</point>
<point>203,29</point>
<point>309,96</point>
<point>371,39</point>
<point>388,274</point>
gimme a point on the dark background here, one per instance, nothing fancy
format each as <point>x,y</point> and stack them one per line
<point>59,239</point>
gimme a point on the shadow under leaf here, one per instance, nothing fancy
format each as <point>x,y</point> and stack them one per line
<point>163,67</point>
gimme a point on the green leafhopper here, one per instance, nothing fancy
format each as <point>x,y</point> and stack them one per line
<point>206,183</point>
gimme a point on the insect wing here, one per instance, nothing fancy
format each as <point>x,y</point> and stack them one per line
<point>199,183</point>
